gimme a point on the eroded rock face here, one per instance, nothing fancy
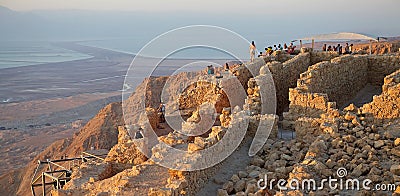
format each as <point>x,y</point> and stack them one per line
<point>125,151</point>
<point>225,117</point>
<point>204,90</point>
<point>101,132</point>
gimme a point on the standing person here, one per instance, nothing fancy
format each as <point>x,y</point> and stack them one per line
<point>285,48</point>
<point>339,49</point>
<point>268,51</point>
<point>161,112</point>
<point>347,49</point>
<point>280,47</point>
<point>324,47</point>
<point>275,48</point>
<point>252,51</point>
<point>351,48</point>
<point>226,67</point>
<point>210,70</point>
<point>291,48</point>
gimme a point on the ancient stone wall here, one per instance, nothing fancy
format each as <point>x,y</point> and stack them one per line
<point>330,84</point>
<point>277,56</point>
<point>341,78</point>
<point>251,69</point>
<point>285,71</point>
<point>317,57</point>
<point>381,66</point>
<point>386,107</point>
<point>190,182</point>
<point>285,76</point>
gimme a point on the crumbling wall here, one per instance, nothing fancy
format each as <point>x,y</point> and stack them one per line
<point>317,57</point>
<point>285,76</point>
<point>341,78</point>
<point>189,182</point>
<point>252,69</point>
<point>386,107</point>
<point>279,56</point>
<point>203,91</point>
<point>325,85</point>
<point>285,71</point>
<point>381,66</point>
<point>330,84</point>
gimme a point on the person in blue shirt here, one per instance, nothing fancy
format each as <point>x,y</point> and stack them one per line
<point>210,70</point>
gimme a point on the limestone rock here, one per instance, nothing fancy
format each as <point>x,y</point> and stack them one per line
<point>222,192</point>
<point>193,148</point>
<point>241,193</point>
<point>395,169</point>
<point>228,186</point>
<point>235,178</point>
<point>258,162</point>
<point>239,186</point>
<point>243,174</point>
<point>254,174</point>
<point>251,188</point>
<point>350,108</point>
<point>397,142</point>
<point>396,151</point>
<point>379,143</point>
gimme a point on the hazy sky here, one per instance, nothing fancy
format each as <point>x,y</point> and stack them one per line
<point>261,20</point>
<point>349,7</point>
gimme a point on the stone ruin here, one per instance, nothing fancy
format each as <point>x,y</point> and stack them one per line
<point>313,92</point>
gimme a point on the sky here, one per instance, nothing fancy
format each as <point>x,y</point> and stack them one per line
<point>216,6</point>
<point>262,20</point>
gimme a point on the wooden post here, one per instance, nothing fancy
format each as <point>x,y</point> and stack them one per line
<point>44,184</point>
<point>301,44</point>
<point>33,190</point>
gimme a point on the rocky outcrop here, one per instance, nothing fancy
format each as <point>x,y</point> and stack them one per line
<point>125,151</point>
<point>99,133</point>
<point>378,48</point>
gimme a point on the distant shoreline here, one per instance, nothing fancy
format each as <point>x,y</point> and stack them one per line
<point>86,49</point>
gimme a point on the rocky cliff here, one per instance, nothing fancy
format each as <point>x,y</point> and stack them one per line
<point>99,133</point>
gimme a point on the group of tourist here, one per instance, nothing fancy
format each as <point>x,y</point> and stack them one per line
<point>348,49</point>
<point>269,50</point>
<point>211,70</point>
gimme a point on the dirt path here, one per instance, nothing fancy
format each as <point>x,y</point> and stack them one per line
<point>364,95</point>
<point>232,165</point>
<point>153,176</point>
